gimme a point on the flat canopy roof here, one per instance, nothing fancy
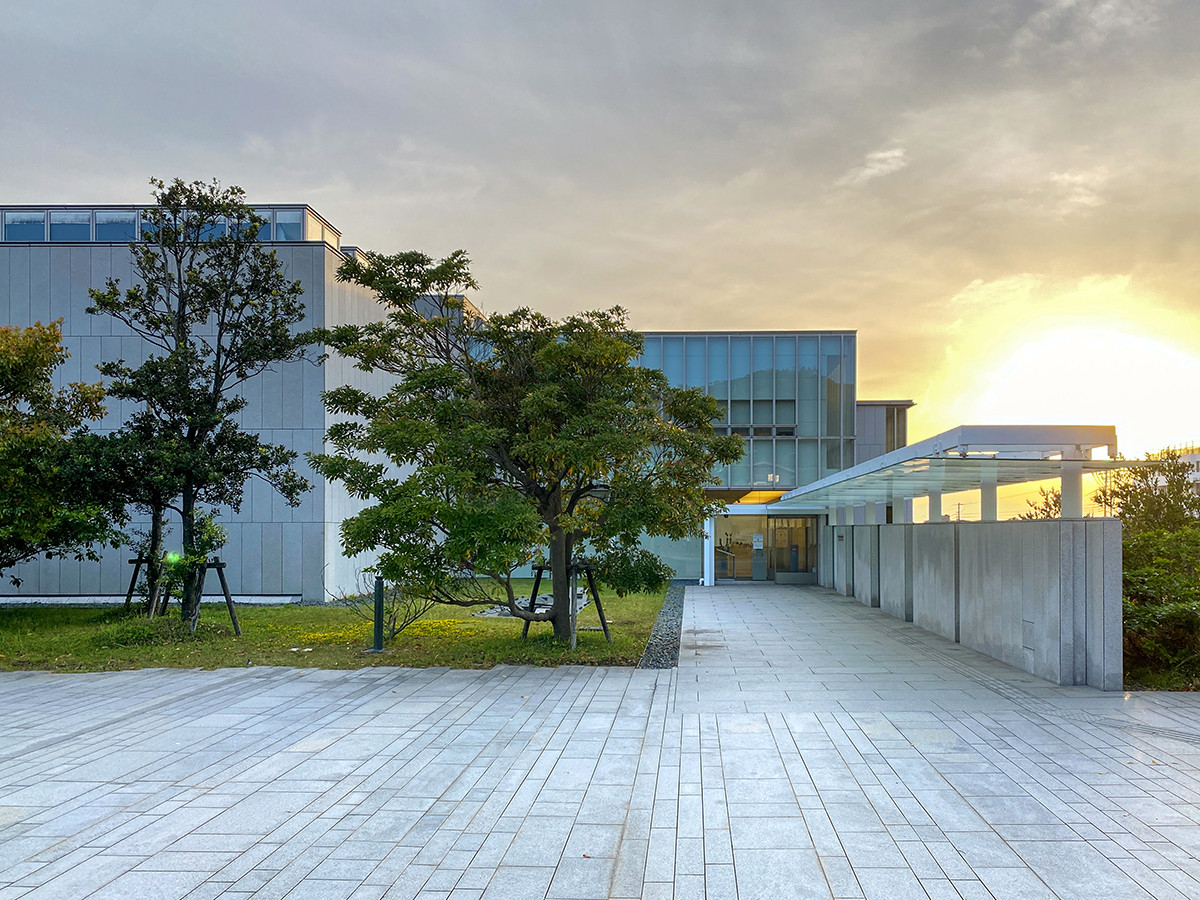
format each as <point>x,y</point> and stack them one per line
<point>920,477</point>
<point>964,459</point>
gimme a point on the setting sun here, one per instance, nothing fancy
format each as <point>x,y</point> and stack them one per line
<point>1095,374</point>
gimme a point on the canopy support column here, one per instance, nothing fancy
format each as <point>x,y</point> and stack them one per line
<point>1072,490</point>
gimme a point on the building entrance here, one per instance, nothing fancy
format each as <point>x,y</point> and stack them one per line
<point>766,548</point>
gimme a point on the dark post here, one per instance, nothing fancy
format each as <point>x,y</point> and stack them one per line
<point>378,648</point>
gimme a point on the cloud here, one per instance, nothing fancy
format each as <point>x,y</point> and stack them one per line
<point>1072,27</point>
<point>876,165</point>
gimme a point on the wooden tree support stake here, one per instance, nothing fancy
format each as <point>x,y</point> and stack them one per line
<point>215,563</point>
<point>592,590</point>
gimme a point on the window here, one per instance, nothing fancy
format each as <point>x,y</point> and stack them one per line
<point>764,462</point>
<point>696,354</point>
<point>652,353</point>
<point>809,387</point>
<point>24,225</point>
<point>831,375</point>
<point>116,225</point>
<point>764,381</point>
<point>289,224</point>
<point>70,225</point>
<point>264,231</point>
<point>672,361</point>
<point>739,380</point>
<point>213,230</point>
<point>785,380</point>
<point>833,456</point>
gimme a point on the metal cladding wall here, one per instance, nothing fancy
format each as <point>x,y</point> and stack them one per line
<point>1042,596</point>
<point>273,550</point>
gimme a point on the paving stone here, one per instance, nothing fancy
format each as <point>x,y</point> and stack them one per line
<point>817,749</point>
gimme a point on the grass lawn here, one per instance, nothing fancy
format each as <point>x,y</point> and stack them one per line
<point>64,639</point>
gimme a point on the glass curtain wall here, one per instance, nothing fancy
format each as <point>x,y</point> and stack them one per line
<point>790,396</point>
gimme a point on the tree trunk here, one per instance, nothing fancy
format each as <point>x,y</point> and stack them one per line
<point>154,559</point>
<point>560,572</point>
<point>189,584</point>
<point>560,579</point>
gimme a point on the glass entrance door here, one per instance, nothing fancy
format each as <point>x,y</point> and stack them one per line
<point>784,547</point>
<point>736,538</point>
<point>793,545</point>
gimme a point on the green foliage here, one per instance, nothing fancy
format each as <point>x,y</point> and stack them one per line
<point>1160,497</point>
<point>47,506</point>
<point>1048,507</point>
<point>521,434</point>
<point>1162,607</point>
<point>1163,567</point>
<point>215,309</point>
<point>1162,639</point>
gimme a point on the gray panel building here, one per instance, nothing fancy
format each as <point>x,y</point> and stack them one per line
<point>51,256</point>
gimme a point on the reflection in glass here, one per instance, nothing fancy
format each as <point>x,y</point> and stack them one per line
<point>734,538</point>
<point>809,387</point>
<point>264,231</point>
<point>70,225</point>
<point>764,462</point>
<point>848,392</point>
<point>764,382</point>
<point>147,229</point>
<point>672,363</point>
<point>696,360</point>
<point>116,225</point>
<point>289,224</point>
<point>22,225</point>
<point>739,380</point>
<point>213,230</point>
<point>808,467</point>
<point>785,380</point>
<point>793,544</point>
<point>652,353</point>
<point>833,457</point>
<point>831,365</point>
<point>739,472</point>
<point>718,373</point>
<point>785,464</point>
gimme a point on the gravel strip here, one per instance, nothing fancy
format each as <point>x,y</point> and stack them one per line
<point>662,650</point>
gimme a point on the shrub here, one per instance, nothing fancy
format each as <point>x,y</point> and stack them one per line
<point>1163,567</point>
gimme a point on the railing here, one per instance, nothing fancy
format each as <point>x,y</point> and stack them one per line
<point>726,564</point>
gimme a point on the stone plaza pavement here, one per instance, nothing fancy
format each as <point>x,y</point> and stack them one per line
<point>805,747</point>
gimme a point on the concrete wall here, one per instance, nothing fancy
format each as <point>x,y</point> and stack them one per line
<point>1042,596</point>
<point>842,559</point>
<point>895,557</point>
<point>934,578</point>
<point>866,564</point>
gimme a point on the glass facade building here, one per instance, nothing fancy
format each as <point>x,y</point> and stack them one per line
<point>121,224</point>
<point>790,395</point>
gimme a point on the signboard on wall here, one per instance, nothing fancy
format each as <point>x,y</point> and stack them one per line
<point>758,542</point>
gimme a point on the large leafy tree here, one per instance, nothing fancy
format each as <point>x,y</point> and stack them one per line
<point>506,436</point>
<point>215,309</point>
<point>47,506</point>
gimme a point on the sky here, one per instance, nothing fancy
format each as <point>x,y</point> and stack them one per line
<point>1002,197</point>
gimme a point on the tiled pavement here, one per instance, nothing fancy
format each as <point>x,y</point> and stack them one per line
<point>805,747</point>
